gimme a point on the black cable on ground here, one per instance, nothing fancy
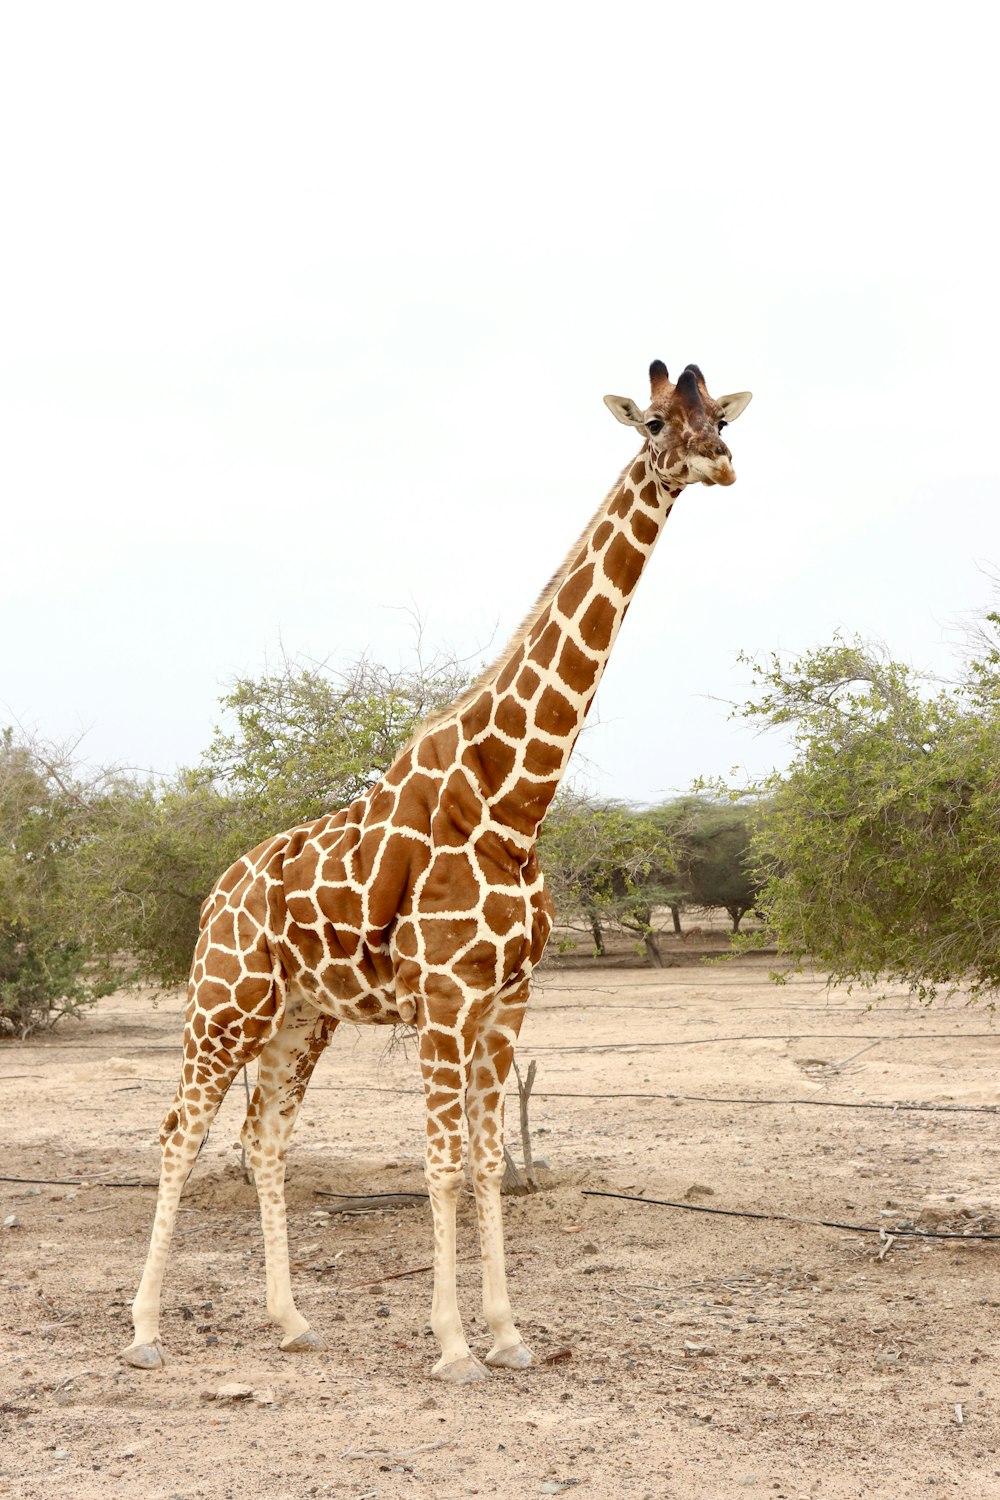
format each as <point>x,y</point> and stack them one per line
<point>737,1213</point>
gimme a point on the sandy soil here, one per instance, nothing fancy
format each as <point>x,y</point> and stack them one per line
<point>708,1356</point>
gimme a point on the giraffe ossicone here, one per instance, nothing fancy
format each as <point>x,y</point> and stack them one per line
<point>423,901</point>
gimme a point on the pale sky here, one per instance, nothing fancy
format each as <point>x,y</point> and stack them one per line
<point>308,311</point>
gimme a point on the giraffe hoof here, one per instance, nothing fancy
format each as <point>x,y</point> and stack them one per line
<point>464,1371</point>
<point>145,1356</point>
<point>306,1342</point>
<point>515,1357</point>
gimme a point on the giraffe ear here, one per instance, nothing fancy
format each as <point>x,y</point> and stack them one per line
<point>625,409</point>
<point>731,406</point>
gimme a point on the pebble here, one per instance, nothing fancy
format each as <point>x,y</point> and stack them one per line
<point>230,1391</point>
<point>11,1221</point>
<point>60,1454</point>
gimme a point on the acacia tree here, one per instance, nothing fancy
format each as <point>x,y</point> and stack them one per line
<point>879,851</point>
<point>714,864</point>
<point>660,885</point>
<point>600,859</point>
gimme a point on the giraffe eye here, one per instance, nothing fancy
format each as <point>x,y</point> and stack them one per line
<point>722,423</point>
<point>654,426</point>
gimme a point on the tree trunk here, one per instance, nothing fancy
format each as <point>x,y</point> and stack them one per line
<point>736,912</point>
<point>675,912</point>
<point>598,932</point>
<point>652,947</point>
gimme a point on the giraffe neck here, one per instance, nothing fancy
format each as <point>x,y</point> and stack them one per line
<point>525,717</point>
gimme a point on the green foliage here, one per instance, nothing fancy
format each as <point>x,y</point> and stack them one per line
<point>595,852</point>
<point>304,741</point>
<point>41,822</point>
<point>714,864</point>
<point>103,874</point>
<point>39,979</point>
<point>879,850</point>
<point>612,865</point>
<point>153,853</point>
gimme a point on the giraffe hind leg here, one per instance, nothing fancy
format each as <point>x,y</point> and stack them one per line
<point>286,1065</point>
<point>491,1063</point>
<point>219,1040</point>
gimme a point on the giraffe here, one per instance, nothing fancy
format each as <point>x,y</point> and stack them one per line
<point>423,902</point>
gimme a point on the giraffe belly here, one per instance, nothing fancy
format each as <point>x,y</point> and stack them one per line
<point>377,1008</point>
<point>352,990</point>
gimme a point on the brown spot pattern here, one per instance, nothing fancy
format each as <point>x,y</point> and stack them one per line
<point>575,590</point>
<point>623,563</point>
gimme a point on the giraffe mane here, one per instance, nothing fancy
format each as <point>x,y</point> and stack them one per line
<point>443,715</point>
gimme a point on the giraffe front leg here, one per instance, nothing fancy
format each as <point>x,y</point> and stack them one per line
<point>445,1075</point>
<point>286,1065</point>
<point>491,1064</point>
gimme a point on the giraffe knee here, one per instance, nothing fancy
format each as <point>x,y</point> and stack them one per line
<point>491,1169</point>
<point>171,1122</point>
<point>447,1181</point>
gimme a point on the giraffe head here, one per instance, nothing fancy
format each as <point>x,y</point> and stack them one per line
<point>683,427</point>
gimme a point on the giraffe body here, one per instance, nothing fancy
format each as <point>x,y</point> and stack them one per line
<point>423,902</point>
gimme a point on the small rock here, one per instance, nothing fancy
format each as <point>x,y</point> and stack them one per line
<point>264,1397</point>
<point>60,1454</point>
<point>381,1312</point>
<point>231,1391</point>
<point>11,1222</point>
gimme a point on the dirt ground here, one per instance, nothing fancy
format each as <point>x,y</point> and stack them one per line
<point>682,1354</point>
